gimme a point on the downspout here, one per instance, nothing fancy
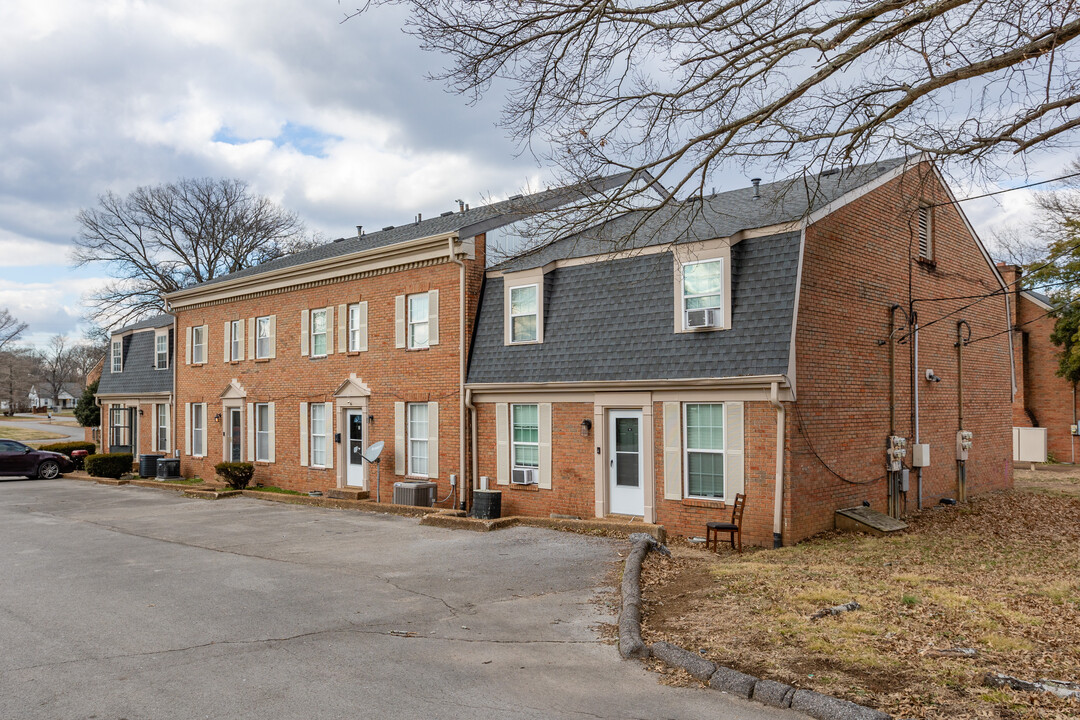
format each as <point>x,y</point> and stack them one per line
<point>472,436</point>
<point>462,493</point>
<point>915,408</point>
<point>778,493</point>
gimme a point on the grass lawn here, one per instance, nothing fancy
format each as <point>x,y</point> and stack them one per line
<point>14,432</point>
<point>274,489</point>
<point>1000,575</point>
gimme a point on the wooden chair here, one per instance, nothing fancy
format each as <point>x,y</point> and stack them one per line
<point>734,528</point>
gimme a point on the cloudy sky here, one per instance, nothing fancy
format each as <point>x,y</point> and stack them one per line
<point>335,121</point>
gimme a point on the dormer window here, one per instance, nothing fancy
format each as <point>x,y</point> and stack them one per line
<point>161,351</point>
<point>117,356</point>
<point>703,294</point>
<point>524,313</point>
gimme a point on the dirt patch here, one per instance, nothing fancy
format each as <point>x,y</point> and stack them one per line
<point>1000,575</point>
<point>1060,480</point>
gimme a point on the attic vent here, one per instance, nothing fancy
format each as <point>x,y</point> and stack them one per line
<point>448,213</point>
<point>516,197</point>
<point>340,240</point>
<point>926,249</point>
<point>830,171</point>
<point>388,227</point>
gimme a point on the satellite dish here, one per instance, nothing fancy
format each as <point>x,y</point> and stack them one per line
<point>373,452</point>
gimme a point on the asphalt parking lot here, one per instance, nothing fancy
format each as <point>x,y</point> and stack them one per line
<point>135,603</point>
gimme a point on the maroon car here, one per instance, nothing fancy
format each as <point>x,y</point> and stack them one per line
<point>24,461</point>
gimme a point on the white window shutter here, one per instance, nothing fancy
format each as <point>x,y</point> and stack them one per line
<point>399,321</point>
<point>252,338</point>
<point>240,339</point>
<point>329,330</point>
<point>305,441</point>
<point>187,345</point>
<point>502,443</point>
<point>363,327</point>
<point>733,450</point>
<point>205,432</point>
<point>228,341</point>
<point>331,446</point>
<point>399,438</point>
<point>342,328</point>
<point>251,431</point>
<point>544,416</point>
<point>273,432</point>
<point>433,439</point>
<point>273,336</point>
<point>433,317</point>
<point>673,452</point>
<point>305,335</point>
<point>187,424</point>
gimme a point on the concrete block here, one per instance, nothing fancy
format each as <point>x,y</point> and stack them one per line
<point>826,707</point>
<point>676,656</point>
<point>770,692</point>
<point>732,681</point>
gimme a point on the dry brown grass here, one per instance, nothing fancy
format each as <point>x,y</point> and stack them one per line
<point>1059,480</point>
<point>1001,575</point>
<point>14,432</point>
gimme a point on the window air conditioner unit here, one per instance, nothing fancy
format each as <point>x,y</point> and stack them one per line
<point>524,476</point>
<point>704,318</point>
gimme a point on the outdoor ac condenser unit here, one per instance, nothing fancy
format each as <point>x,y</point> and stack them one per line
<point>414,493</point>
<point>524,476</point>
<point>705,318</point>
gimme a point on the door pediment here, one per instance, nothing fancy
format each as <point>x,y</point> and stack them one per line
<point>233,391</point>
<point>353,387</point>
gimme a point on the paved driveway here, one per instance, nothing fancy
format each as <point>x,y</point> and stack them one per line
<point>68,433</point>
<point>134,603</point>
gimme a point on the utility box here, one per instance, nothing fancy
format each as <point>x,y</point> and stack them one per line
<point>920,455</point>
<point>963,443</point>
<point>1029,444</point>
<point>421,494</point>
<point>895,451</point>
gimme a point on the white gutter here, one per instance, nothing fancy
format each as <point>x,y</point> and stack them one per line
<point>462,493</point>
<point>778,493</point>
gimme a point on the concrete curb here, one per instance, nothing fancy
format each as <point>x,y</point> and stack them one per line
<point>718,677</point>
<point>445,519</point>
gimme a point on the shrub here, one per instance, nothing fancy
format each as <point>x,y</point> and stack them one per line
<point>87,413</point>
<point>236,474</point>
<point>110,465</point>
<point>67,447</point>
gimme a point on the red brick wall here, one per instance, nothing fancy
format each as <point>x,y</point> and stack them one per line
<point>144,430</point>
<point>393,374</point>
<point>858,261</point>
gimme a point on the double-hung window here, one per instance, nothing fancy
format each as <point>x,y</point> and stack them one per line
<point>162,426</point>
<point>418,439</point>
<point>117,356</point>
<point>418,320</point>
<point>703,293</point>
<point>262,335</point>
<point>526,433</point>
<point>161,351</point>
<point>318,333</point>
<point>198,429</point>
<point>262,432</point>
<point>119,429</point>
<point>354,328</point>
<point>198,344</point>
<point>704,425</point>
<point>318,434</point>
<point>524,313</point>
<point>234,340</point>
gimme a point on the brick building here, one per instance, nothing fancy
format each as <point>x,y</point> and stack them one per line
<point>301,364</point>
<point>136,388</point>
<point>1043,399</point>
<point>745,344</point>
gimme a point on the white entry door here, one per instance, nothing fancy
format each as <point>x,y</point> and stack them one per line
<point>354,447</point>
<point>626,466</point>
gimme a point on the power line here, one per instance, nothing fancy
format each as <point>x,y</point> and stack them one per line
<point>809,444</point>
<point>1005,190</point>
<point>1011,328</point>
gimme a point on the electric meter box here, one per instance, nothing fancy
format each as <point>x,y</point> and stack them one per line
<point>920,455</point>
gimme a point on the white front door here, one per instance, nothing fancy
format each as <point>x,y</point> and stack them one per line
<point>626,466</point>
<point>354,448</point>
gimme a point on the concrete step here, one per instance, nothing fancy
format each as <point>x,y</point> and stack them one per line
<point>863,519</point>
<point>348,494</point>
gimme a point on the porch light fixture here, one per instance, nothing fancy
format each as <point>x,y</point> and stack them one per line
<point>218,417</point>
<point>586,426</point>
<point>140,412</point>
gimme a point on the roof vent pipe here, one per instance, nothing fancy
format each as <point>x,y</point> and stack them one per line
<point>460,205</point>
<point>757,187</point>
<point>359,231</point>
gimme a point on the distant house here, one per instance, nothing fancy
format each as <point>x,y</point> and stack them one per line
<point>65,399</point>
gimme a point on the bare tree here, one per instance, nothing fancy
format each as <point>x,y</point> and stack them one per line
<point>57,366</point>
<point>1017,245</point>
<point>685,89</point>
<point>11,329</point>
<point>166,237</point>
<point>17,367</point>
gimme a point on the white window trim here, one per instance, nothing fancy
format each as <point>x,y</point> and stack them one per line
<point>235,347</point>
<point>723,284</point>
<point>259,430</point>
<point>514,443</point>
<point>324,333</point>
<point>157,353</point>
<point>687,450</point>
<point>689,254</point>
<point>409,322</point>
<point>311,434</point>
<point>161,422</point>
<point>535,314</point>
<point>409,439</point>
<point>259,355</point>
<point>198,358</point>
<point>198,436</point>
<point>353,312</point>
<point>532,276</point>
<point>117,357</point>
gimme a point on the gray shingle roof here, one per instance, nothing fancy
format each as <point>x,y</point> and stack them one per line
<point>469,223</point>
<point>614,320</point>
<point>716,216</point>
<point>158,321</point>
<point>139,375</point>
